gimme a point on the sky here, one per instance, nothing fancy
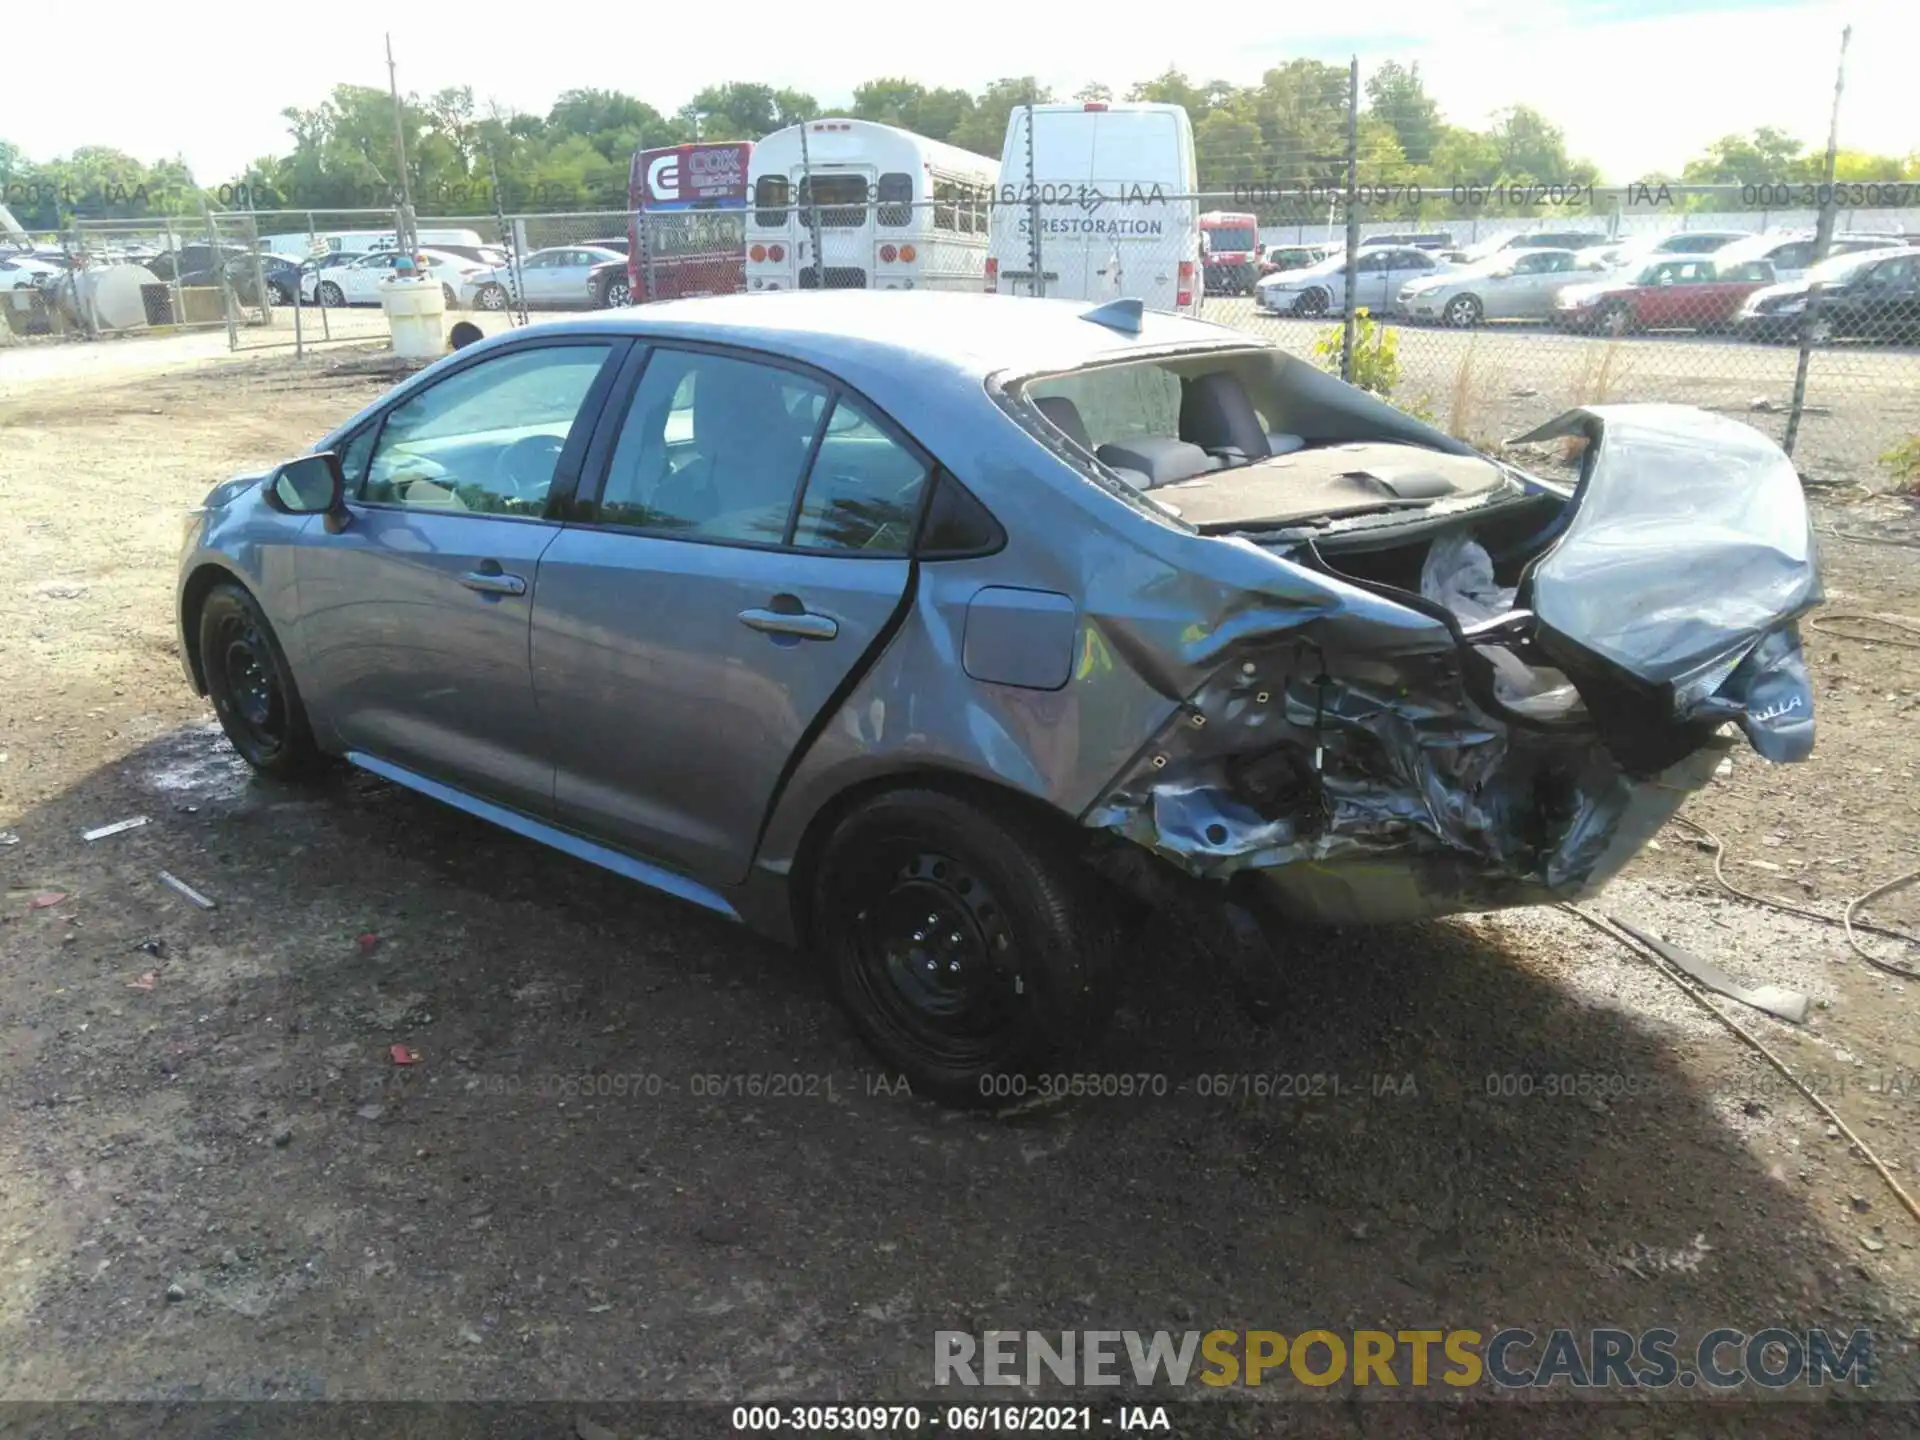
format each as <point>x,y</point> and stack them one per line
<point>1638,85</point>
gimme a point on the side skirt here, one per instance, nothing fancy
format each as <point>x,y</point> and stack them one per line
<point>654,877</point>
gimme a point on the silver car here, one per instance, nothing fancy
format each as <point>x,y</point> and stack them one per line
<point>943,633</point>
<point>1513,285</point>
<point>554,278</point>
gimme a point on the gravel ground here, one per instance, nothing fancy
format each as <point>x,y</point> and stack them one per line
<point>219,1185</point>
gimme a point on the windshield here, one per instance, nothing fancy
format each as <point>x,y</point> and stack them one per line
<point>1230,237</point>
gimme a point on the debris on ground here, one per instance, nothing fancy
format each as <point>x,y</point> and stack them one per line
<point>145,982</point>
<point>403,1056</point>
<point>174,882</point>
<point>367,942</point>
<point>116,828</point>
<point>48,898</point>
<point>7,837</point>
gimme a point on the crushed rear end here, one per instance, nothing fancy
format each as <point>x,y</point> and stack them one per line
<point>1495,708</point>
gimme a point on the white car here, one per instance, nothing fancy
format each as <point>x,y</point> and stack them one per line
<point>1321,289</point>
<point>1513,285</point>
<point>555,276</point>
<point>1790,253</point>
<point>23,272</point>
<point>357,282</point>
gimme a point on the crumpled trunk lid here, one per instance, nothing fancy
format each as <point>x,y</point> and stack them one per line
<point>1670,593</point>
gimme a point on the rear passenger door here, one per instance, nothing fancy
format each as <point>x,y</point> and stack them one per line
<point>739,550</point>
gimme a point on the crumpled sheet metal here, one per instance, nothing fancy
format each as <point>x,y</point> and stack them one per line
<point>1410,770</point>
<point>1701,519</point>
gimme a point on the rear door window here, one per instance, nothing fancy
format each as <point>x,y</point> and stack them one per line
<point>895,194</point>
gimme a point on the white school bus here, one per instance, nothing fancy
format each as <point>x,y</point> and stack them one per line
<point>896,211</point>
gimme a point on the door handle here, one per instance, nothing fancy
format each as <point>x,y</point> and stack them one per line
<point>494,582</point>
<point>779,622</point>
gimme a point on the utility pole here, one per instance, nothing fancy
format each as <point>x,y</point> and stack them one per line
<point>1822,239</point>
<point>403,226</point>
<point>1353,218</point>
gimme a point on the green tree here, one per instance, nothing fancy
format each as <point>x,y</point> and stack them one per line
<point>1396,94</point>
<point>1766,155</point>
<point>747,110</point>
<point>984,130</point>
<point>911,106</point>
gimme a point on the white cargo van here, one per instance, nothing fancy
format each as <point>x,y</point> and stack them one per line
<point>1114,187</point>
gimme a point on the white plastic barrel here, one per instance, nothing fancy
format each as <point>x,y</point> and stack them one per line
<point>416,316</point>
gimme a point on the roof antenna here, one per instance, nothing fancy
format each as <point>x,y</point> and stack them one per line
<point>1123,315</point>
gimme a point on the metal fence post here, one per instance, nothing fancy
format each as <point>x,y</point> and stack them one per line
<point>813,215</point>
<point>1353,220</point>
<point>179,295</point>
<point>647,271</point>
<point>1035,251</point>
<point>1822,239</point>
<point>227,302</point>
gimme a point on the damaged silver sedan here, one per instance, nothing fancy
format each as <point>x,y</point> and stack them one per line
<point>927,631</point>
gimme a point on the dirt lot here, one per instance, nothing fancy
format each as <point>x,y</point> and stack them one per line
<point>219,1185</point>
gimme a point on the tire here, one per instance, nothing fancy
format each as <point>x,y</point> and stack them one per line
<point>1463,312</point>
<point>252,687</point>
<point>1820,332</point>
<point>1312,302</point>
<point>453,300</point>
<point>331,294</point>
<point>280,295</point>
<point>491,297</point>
<point>616,294</point>
<point>1613,319</point>
<point>967,948</point>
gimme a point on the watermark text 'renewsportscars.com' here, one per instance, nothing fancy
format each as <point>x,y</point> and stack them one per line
<point>1508,1358</point>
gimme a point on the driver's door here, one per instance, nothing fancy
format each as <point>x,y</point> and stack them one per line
<point>416,615</point>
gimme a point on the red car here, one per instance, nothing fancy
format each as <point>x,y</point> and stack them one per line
<point>1679,292</point>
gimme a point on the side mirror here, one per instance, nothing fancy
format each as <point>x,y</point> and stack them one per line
<point>311,485</point>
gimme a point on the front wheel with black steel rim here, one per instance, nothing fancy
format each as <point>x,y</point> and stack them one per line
<point>251,687</point>
<point>615,294</point>
<point>968,947</point>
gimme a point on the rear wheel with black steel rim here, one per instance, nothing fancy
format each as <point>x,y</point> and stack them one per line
<point>616,294</point>
<point>251,687</point>
<point>969,948</point>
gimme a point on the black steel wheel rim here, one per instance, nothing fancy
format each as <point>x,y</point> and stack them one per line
<point>933,950</point>
<point>249,690</point>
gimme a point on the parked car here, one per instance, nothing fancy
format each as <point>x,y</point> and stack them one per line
<point>1321,288</point>
<point>1513,285</point>
<point>609,286</point>
<point>1697,242</point>
<point>1683,292</point>
<point>1534,240</point>
<point>1871,294</point>
<point>1276,258</point>
<point>311,267</point>
<point>1418,239</point>
<point>23,272</point>
<point>944,634</point>
<point>553,278</point>
<point>1793,254</point>
<point>358,283</point>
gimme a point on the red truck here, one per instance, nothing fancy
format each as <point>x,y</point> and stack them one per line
<point>1229,252</point>
<point>688,226</point>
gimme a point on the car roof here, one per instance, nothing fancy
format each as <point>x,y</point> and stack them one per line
<point>898,338</point>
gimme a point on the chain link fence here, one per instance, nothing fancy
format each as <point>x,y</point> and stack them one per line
<point>1486,309</point>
